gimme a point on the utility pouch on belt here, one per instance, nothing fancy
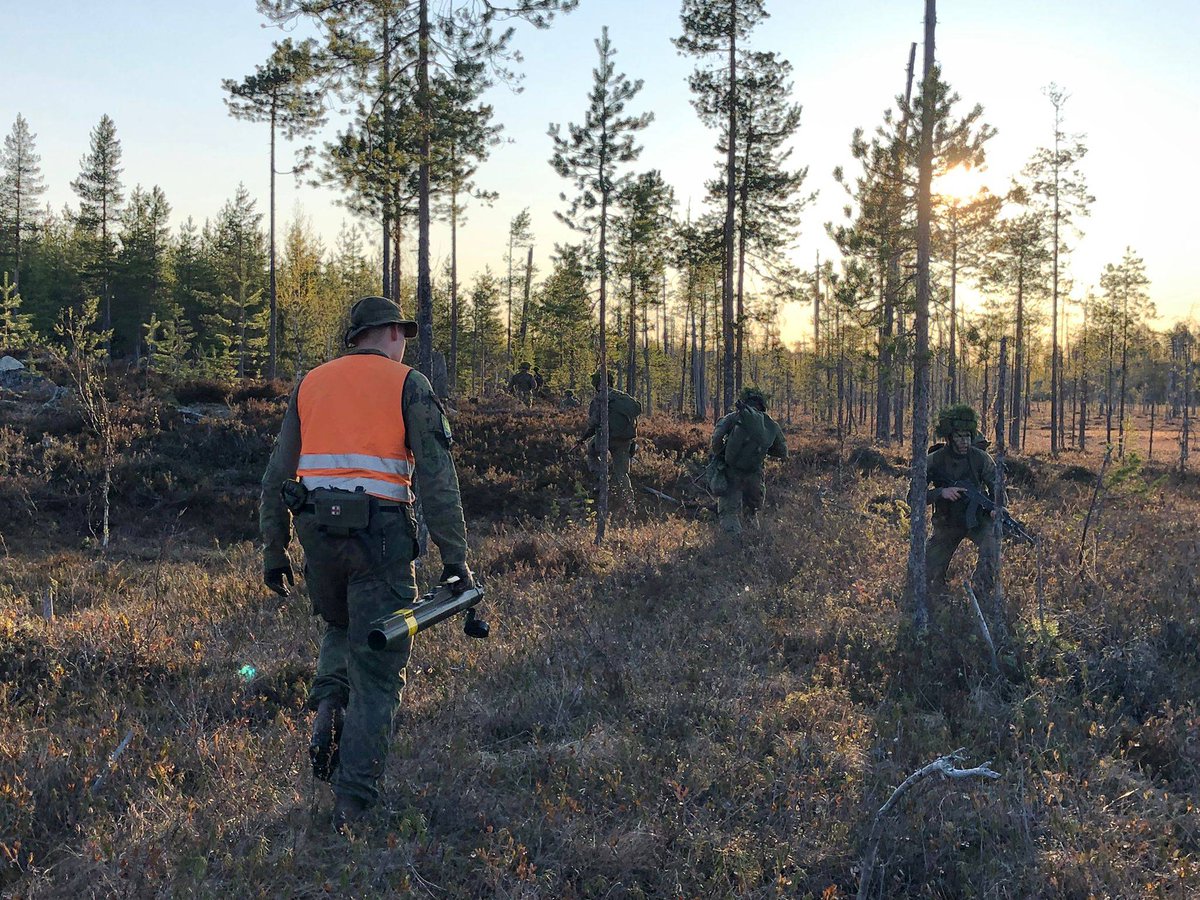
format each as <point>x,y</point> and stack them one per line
<point>340,512</point>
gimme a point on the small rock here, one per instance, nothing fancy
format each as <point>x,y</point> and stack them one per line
<point>8,364</point>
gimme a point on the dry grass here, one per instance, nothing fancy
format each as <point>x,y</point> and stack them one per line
<point>667,716</point>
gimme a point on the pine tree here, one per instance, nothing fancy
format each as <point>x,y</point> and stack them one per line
<point>589,155</point>
<point>881,235</point>
<point>239,254</point>
<point>279,94</point>
<point>768,206</point>
<point>486,330</point>
<point>714,27</point>
<point>141,274</point>
<point>642,231</point>
<point>1125,290</point>
<point>54,267</point>
<point>194,281</point>
<point>519,235</point>
<point>561,317</point>
<point>1056,178</point>
<point>1019,265</point>
<point>21,185</point>
<point>303,318</point>
<point>917,583</point>
<point>169,342</point>
<point>16,330</point>
<point>100,197</point>
<point>963,231</point>
<point>464,136</point>
<point>415,39</point>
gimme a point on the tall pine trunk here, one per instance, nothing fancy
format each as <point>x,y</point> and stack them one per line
<point>424,287</point>
<point>727,311</point>
<point>272,348</point>
<point>918,586</point>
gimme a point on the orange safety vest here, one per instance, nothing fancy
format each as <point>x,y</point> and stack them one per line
<point>352,428</point>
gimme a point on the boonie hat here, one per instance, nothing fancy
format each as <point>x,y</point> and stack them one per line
<point>371,312</point>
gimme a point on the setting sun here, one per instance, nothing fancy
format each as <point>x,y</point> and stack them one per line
<point>959,184</point>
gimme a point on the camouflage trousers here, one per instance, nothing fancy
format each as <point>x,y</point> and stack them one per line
<point>940,551</point>
<point>619,484</point>
<point>353,581</point>
<point>746,491</point>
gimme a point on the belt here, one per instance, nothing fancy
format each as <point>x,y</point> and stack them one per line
<point>396,508</point>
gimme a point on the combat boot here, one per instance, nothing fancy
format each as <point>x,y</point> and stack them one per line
<point>347,812</point>
<point>323,748</point>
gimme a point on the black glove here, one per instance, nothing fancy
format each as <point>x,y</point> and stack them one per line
<point>275,579</point>
<point>466,580</point>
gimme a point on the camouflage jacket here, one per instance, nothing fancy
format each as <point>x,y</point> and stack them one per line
<point>522,383</point>
<point>716,447</point>
<point>593,425</point>
<point>435,480</point>
<point>946,468</point>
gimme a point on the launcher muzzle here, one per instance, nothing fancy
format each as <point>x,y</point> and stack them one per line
<point>444,601</point>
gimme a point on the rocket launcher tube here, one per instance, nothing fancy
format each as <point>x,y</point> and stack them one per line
<point>441,603</point>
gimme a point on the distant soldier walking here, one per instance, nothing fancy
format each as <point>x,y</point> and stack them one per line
<point>355,432</point>
<point>623,412</point>
<point>569,400</point>
<point>958,463</point>
<point>741,443</point>
<point>522,385</point>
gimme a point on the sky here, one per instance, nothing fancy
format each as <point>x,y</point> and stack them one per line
<point>1131,69</point>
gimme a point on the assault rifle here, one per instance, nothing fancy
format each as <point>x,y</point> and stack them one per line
<point>444,601</point>
<point>979,502</point>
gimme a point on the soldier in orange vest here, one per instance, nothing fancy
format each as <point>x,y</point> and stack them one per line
<point>356,431</point>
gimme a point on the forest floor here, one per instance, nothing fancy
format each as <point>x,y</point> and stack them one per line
<point>669,715</point>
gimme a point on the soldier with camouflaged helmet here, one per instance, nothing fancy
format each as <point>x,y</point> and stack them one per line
<point>356,432</point>
<point>741,442</point>
<point>522,385</point>
<point>959,461</point>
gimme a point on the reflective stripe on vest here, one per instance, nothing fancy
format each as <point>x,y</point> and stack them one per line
<point>352,428</point>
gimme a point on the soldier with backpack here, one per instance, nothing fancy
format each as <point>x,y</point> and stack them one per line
<point>741,442</point>
<point>623,412</point>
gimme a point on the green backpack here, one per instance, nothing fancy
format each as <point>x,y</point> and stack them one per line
<point>623,411</point>
<point>748,441</point>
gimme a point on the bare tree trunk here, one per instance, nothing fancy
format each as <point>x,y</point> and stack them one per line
<point>998,491</point>
<point>272,348</point>
<point>1124,374</point>
<point>952,372</point>
<point>646,357</point>
<point>525,299</point>
<point>1055,400</point>
<point>602,435</point>
<point>424,285</point>
<point>744,202</point>
<point>918,586</point>
<point>1185,436</point>
<point>452,360</point>
<point>1014,427</point>
<point>1108,395</point>
<point>630,340</point>
<point>727,310</point>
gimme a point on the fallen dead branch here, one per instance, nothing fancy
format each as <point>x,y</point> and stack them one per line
<point>944,766</point>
